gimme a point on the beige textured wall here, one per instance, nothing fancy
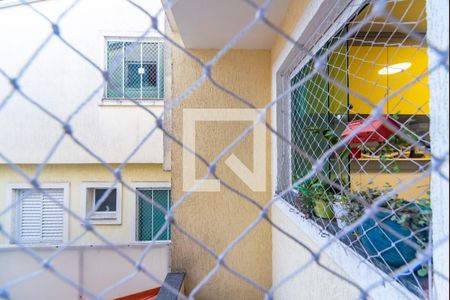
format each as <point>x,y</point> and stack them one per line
<point>293,15</point>
<point>75,175</point>
<point>218,218</point>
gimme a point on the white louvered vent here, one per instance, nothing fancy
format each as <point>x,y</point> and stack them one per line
<point>40,219</point>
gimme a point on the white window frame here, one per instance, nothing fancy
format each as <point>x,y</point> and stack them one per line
<point>146,101</point>
<point>291,60</point>
<point>134,212</point>
<point>11,217</point>
<point>101,217</point>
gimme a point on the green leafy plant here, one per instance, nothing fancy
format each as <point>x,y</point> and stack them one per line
<point>309,194</point>
<point>423,272</point>
<point>412,215</point>
<point>332,138</point>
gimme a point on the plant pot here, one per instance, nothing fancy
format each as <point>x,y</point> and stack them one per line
<point>341,213</point>
<point>323,210</point>
<point>379,242</point>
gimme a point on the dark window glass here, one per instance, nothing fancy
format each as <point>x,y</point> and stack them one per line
<point>133,78</point>
<point>148,72</point>
<point>110,203</point>
<point>151,75</point>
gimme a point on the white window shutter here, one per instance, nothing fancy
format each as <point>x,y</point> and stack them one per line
<point>52,216</point>
<point>30,216</point>
<point>41,219</point>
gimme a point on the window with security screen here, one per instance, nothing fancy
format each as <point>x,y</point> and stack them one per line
<point>136,70</point>
<point>152,205</point>
<point>367,106</point>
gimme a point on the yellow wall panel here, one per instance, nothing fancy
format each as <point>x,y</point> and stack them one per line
<point>413,97</point>
<point>373,177</point>
<point>364,64</point>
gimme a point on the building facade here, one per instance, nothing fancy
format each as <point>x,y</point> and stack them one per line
<point>102,117</point>
<point>305,152</point>
<point>74,133</point>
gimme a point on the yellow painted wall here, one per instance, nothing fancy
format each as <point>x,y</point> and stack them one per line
<point>75,175</point>
<point>218,218</point>
<point>373,177</point>
<point>364,80</point>
<point>409,96</point>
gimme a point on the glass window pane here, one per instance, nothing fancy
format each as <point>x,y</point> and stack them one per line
<point>150,76</point>
<point>132,65</point>
<point>110,203</point>
<point>115,69</point>
<point>133,77</point>
<point>150,218</point>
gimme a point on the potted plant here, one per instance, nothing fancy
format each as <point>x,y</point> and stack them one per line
<point>406,219</point>
<point>314,199</point>
<point>341,209</point>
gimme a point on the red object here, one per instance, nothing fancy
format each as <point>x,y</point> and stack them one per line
<point>355,153</point>
<point>145,295</point>
<point>377,131</point>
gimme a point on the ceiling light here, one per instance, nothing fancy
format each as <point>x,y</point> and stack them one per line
<point>394,69</point>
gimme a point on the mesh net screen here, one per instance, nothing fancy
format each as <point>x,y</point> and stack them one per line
<point>151,219</point>
<point>136,70</point>
<point>355,158</point>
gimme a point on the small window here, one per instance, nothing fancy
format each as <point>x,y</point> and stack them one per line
<point>103,204</point>
<point>136,70</point>
<point>40,216</point>
<point>151,218</point>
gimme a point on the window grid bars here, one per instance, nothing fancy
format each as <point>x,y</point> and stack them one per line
<point>151,88</point>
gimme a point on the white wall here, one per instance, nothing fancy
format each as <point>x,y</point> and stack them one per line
<point>437,12</point>
<point>60,80</point>
<point>94,268</point>
<point>314,282</point>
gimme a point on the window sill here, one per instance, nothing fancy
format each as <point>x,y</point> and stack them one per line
<point>105,221</point>
<point>356,268</point>
<point>135,103</point>
<point>43,246</point>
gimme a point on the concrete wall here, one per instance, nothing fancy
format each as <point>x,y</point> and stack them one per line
<point>75,175</point>
<point>96,269</point>
<point>218,218</point>
<point>60,80</point>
